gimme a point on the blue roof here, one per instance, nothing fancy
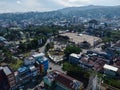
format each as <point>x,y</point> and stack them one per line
<point>22,69</point>
<point>42,60</point>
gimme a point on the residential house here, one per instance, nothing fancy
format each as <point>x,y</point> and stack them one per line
<point>93,62</point>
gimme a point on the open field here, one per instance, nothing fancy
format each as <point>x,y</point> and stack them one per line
<point>78,38</point>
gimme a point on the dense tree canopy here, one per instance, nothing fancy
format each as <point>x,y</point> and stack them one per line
<point>72,49</point>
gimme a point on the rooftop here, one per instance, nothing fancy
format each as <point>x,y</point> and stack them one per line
<point>6,70</point>
<point>106,66</point>
<point>75,55</point>
<point>22,69</point>
<point>94,62</point>
<point>32,68</point>
<point>30,58</point>
<point>38,55</point>
<point>66,80</point>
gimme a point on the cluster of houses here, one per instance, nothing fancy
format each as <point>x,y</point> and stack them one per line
<point>56,80</point>
<point>100,62</point>
<point>34,66</point>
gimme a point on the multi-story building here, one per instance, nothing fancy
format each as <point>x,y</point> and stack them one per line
<point>39,60</point>
<point>26,73</point>
<point>7,78</point>
<point>59,81</point>
<point>33,66</point>
<point>43,64</point>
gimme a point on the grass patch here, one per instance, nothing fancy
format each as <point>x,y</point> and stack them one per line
<point>112,82</point>
<point>16,65</point>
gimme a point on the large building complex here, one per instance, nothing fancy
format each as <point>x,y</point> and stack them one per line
<point>33,66</point>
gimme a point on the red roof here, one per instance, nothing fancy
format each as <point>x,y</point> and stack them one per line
<point>96,62</point>
<point>66,80</point>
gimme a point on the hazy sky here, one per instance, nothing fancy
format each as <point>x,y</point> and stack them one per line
<point>48,5</point>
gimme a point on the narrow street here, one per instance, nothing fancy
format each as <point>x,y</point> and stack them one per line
<point>52,65</point>
<point>42,49</point>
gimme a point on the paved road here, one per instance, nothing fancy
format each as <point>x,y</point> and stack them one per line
<point>55,67</point>
<point>42,49</point>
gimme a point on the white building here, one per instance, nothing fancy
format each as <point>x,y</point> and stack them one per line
<point>29,60</point>
<point>33,58</point>
<point>74,58</point>
<point>110,70</point>
<point>38,55</point>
